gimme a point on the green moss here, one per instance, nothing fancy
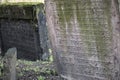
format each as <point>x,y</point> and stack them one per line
<point>64,10</point>
<point>89,27</point>
<point>21,10</point>
<point>101,39</point>
<point>97,29</point>
<point>21,3</point>
<point>83,22</point>
<point>65,14</point>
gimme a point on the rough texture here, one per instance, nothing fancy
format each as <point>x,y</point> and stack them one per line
<point>43,32</point>
<point>9,64</point>
<point>20,29</point>
<point>116,37</point>
<point>81,36</point>
<point>19,11</point>
<point>22,35</point>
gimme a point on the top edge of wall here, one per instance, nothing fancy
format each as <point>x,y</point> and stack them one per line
<point>20,2</point>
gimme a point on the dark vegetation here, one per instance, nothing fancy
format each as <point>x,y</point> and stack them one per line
<point>33,70</point>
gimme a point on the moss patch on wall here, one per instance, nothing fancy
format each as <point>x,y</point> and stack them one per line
<point>21,3</point>
<point>64,10</point>
<point>20,10</point>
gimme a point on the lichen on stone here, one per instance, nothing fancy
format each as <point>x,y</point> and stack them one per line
<point>89,24</point>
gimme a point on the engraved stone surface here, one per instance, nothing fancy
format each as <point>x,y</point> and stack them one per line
<point>81,36</point>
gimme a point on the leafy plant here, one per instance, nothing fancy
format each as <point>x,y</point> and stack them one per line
<point>1,66</point>
<point>51,56</point>
<point>41,78</point>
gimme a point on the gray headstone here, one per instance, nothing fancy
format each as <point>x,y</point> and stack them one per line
<point>9,64</point>
<point>81,36</point>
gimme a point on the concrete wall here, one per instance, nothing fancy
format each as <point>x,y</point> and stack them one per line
<point>81,33</point>
<point>19,28</point>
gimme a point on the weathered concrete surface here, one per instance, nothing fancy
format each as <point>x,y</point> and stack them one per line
<point>9,64</point>
<point>81,33</point>
<point>20,29</point>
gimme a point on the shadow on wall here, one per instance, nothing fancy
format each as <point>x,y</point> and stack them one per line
<point>22,30</point>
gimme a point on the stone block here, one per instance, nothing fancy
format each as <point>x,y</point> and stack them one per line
<point>82,38</point>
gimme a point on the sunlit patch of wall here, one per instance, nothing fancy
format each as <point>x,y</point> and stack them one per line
<point>16,1</point>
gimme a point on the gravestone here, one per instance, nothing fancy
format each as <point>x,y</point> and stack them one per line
<point>9,64</point>
<point>19,28</point>
<point>82,39</point>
